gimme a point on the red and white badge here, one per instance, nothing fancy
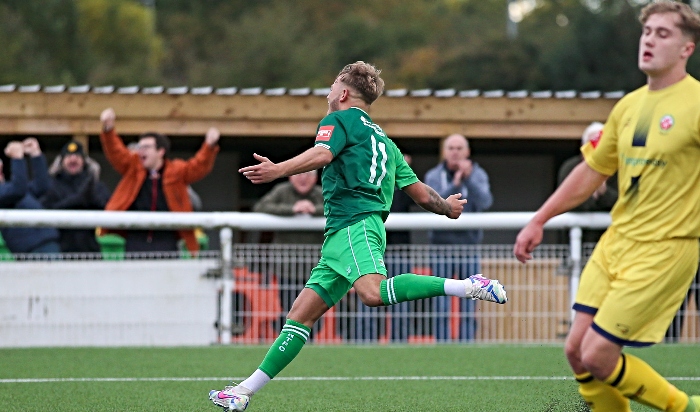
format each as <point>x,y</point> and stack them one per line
<point>666,122</point>
<point>324,133</point>
<point>596,139</point>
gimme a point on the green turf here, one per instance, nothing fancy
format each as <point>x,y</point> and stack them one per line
<point>357,366</point>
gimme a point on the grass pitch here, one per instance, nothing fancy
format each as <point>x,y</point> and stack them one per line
<point>323,378</point>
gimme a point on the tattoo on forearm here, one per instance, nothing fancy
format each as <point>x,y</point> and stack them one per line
<point>437,204</point>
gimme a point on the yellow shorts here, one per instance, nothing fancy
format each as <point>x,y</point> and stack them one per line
<point>634,289</point>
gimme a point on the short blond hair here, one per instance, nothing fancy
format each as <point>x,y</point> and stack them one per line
<point>364,78</point>
<point>690,21</point>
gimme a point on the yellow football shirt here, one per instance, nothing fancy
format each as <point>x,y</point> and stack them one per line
<point>652,140</point>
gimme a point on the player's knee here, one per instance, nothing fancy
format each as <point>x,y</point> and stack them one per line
<point>572,349</point>
<point>371,298</point>
<point>572,352</point>
<point>593,363</point>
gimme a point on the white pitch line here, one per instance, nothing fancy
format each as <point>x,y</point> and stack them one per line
<point>319,378</point>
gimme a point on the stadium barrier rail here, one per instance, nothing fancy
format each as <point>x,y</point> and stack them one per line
<point>256,275</point>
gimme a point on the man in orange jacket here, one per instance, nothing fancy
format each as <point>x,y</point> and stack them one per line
<point>153,182</point>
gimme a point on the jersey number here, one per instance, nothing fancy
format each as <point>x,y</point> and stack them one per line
<point>382,163</point>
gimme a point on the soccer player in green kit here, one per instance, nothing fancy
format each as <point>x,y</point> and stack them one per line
<point>361,167</point>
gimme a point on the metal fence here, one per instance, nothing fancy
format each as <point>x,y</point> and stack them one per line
<point>254,285</point>
<point>267,278</point>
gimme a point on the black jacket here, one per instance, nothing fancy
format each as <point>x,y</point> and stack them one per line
<point>77,192</point>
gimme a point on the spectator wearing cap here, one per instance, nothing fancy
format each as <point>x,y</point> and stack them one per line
<point>603,199</point>
<point>76,185</point>
<point>151,181</point>
<point>22,193</point>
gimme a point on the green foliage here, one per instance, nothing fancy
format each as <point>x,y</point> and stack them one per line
<point>463,44</point>
<point>40,42</point>
<point>122,45</point>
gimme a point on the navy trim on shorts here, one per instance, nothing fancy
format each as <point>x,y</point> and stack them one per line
<point>619,341</point>
<point>585,309</point>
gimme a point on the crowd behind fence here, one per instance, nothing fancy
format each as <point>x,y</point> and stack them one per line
<point>254,284</point>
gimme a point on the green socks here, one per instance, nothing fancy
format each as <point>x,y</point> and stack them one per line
<point>409,286</point>
<point>285,348</point>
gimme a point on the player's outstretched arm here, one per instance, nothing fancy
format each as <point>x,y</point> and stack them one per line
<point>267,171</point>
<point>427,198</point>
<point>574,190</point>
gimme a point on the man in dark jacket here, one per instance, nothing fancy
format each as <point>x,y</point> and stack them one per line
<point>76,186</point>
<point>21,193</point>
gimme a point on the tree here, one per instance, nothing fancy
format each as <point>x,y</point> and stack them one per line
<point>122,45</point>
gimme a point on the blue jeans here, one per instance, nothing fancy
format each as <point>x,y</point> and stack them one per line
<point>453,264</point>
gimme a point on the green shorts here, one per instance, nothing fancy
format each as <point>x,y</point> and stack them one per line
<point>346,255</point>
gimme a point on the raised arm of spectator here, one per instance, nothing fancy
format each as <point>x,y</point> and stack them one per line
<point>40,170</point>
<point>114,149</point>
<point>13,191</point>
<point>202,162</point>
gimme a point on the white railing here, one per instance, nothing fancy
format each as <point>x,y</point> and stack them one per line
<point>261,221</point>
<point>226,222</point>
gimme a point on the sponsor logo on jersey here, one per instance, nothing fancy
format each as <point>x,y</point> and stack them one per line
<point>324,133</point>
<point>596,139</point>
<point>666,122</point>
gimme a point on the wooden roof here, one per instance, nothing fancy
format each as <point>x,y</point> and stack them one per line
<point>57,110</point>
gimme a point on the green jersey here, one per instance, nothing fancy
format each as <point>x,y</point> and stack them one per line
<point>366,167</point>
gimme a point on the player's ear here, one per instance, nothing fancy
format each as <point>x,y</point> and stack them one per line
<point>688,49</point>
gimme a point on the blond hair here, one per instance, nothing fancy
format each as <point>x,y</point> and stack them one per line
<point>364,78</point>
<point>690,21</point>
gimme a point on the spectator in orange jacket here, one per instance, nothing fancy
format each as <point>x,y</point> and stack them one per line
<point>153,182</point>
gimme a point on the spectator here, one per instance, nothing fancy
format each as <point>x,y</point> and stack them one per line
<point>21,193</point>
<point>196,201</point>
<point>76,185</point>
<point>153,182</point>
<point>603,199</point>
<point>299,196</point>
<point>457,173</point>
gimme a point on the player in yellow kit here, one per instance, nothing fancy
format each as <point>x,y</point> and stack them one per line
<point>643,265</point>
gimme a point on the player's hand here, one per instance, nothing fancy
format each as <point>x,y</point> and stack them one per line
<point>212,136</point>
<point>31,147</point>
<point>263,172</point>
<point>108,118</point>
<point>528,239</point>
<point>456,205</point>
<point>14,150</point>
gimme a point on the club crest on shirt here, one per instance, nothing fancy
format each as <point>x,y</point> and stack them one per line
<point>324,133</point>
<point>596,139</point>
<point>666,122</point>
